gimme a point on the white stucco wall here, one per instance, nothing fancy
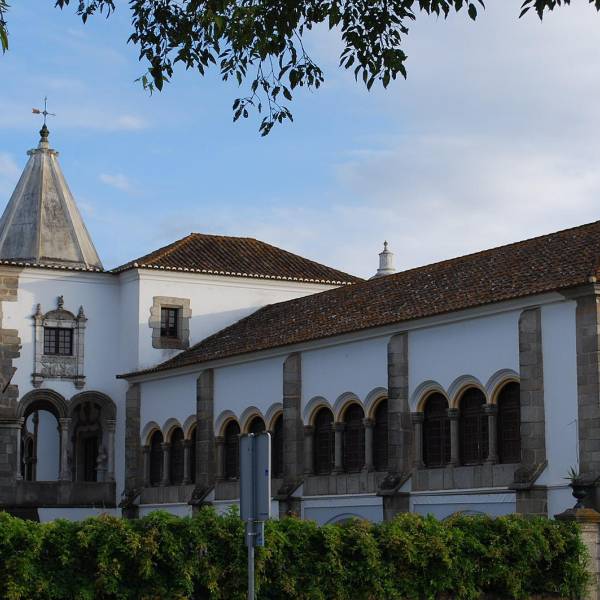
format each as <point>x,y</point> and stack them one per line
<point>355,367</point>
<point>478,347</point>
<point>164,399</point>
<point>216,302</point>
<point>560,400</point>
<point>258,383</point>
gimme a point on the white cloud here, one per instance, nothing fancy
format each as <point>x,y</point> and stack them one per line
<point>118,181</point>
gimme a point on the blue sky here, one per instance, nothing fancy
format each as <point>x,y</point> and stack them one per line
<point>493,138</point>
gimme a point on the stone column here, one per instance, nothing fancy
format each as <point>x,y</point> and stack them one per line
<point>187,449</point>
<point>309,441</point>
<point>146,461</point>
<point>207,462</point>
<point>400,436</point>
<point>588,382</point>
<point>166,454</point>
<point>417,420</point>
<point>293,426</point>
<point>368,425</point>
<point>589,526</point>
<point>19,458</point>
<point>453,415</point>
<point>491,410</point>
<point>220,442</point>
<point>63,425</point>
<point>531,499</point>
<point>133,443</point>
<point>110,451</point>
<point>338,465</point>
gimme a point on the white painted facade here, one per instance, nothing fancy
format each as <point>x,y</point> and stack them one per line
<point>478,347</point>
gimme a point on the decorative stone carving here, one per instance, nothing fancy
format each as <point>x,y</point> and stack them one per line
<point>59,366</point>
<point>184,314</point>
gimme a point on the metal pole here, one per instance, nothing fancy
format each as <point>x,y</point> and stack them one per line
<point>250,527</point>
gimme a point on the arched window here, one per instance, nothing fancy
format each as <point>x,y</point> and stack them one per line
<point>354,438</point>
<point>193,455</point>
<point>380,436</point>
<point>436,431</point>
<point>257,425</point>
<point>176,455</point>
<point>324,444</point>
<point>473,428</point>
<point>232,450</point>
<point>277,447</point>
<point>156,458</point>
<point>509,424</point>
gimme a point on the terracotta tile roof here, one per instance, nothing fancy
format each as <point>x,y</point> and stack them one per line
<point>238,257</point>
<point>543,264</point>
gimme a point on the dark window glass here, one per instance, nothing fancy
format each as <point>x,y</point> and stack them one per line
<point>380,436</point>
<point>436,431</point>
<point>354,438</point>
<point>257,425</point>
<point>232,450</point>
<point>277,448</point>
<point>193,456</point>
<point>324,444</point>
<point>509,424</point>
<point>58,341</point>
<point>169,322</point>
<point>156,458</point>
<point>473,428</point>
<point>90,457</point>
<point>176,457</point>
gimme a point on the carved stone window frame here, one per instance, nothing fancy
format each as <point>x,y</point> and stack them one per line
<point>184,314</point>
<point>53,366</point>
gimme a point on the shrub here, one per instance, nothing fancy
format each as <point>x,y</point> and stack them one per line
<point>204,558</point>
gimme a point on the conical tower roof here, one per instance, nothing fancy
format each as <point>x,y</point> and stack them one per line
<point>41,223</point>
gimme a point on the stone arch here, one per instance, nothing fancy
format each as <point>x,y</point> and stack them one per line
<point>343,402</point>
<point>247,416</point>
<point>272,414</point>
<point>222,420</point>
<point>343,518</point>
<point>109,409</point>
<point>419,397</point>
<point>497,381</point>
<point>167,429</point>
<point>148,430</point>
<point>46,399</point>
<point>459,385</point>
<point>188,426</point>
<point>312,407</point>
<point>92,436</point>
<point>374,397</point>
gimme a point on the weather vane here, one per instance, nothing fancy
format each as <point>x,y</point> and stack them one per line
<point>37,111</point>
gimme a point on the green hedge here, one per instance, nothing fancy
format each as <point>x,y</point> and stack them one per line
<point>166,557</point>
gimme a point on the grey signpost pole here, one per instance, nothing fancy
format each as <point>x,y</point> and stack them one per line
<point>255,493</point>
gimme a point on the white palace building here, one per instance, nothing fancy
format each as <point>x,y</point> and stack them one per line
<point>468,385</point>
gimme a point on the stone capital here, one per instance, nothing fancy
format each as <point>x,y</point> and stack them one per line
<point>490,409</point>
<point>453,414</point>
<point>309,430</point>
<point>339,427</point>
<point>417,417</point>
<point>368,423</point>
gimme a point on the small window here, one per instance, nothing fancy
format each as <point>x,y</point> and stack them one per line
<point>232,450</point>
<point>380,437</point>
<point>436,431</point>
<point>324,445</point>
<point>169,318</point>
<point>354,439</point>
<point>58,341</point>
<point>277,448</point>
<point>509,424</point>
<point>473,428</point>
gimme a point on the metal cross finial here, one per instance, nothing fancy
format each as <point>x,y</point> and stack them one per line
<point>37,111</point>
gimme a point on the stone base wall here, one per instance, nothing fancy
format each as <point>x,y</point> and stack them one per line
<point>533,501</point>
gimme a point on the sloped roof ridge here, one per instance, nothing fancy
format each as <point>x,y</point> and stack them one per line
<point>485,251</point>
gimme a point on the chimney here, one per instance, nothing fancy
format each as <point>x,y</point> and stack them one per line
<point>386,262</point>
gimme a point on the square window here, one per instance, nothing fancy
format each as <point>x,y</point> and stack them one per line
<point>58,341</point>
<point>169,323</point>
